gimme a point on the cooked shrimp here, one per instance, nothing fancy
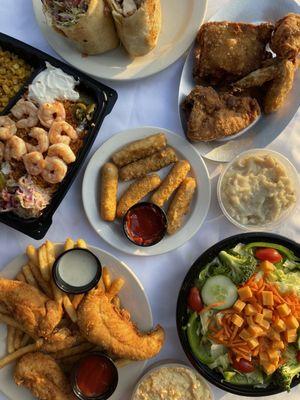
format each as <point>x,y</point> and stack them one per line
<point>51,112</point>
<point>62,151</point>
<point>54,170</point>
<point>26,113</point>
<point>33,162</point>
<point>15,148</point>
<point>7,127</point>
<point>42,138</point>
<point>2,146</point>
<point>62,132</point>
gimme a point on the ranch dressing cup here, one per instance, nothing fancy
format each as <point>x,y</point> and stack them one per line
<point>77,271</point>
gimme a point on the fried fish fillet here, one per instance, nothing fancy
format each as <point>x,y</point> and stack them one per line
<point>36,313</point>
<point>212,116</point>
<point>285,41</point>
<point>60,339</point>
<point>229,50</point>
<point>103,324</point>
<point>41,374</point>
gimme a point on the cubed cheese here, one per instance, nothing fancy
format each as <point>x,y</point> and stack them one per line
<point>283,310</point>
<point>269,368</point>
<point>255,330</point>
<point>258,318</point>
<point>239,306</point>
<point>237,320</point>
<point>250,321</point>
<point>268,314</point>
<point>279,325</point>
<point>291,322</point>
<point>290,335</point>
<point>272,334</point>
<point>258,307</point>
<point>252,343</point>
<point>267,266</point>
<point>268,298</point>
<point>250,310</point>
<point>245,293</point>
<point>245,335</point>
<point>278,345</point>
<point>273,354</point>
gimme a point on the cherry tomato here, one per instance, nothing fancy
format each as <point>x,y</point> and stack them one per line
<point>298,356</point>
<point>243,365</point>
<point>194,300</point>
<point>265,254</point>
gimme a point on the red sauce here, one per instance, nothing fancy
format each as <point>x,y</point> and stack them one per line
<point>95,375</point>
<point>145,224</point>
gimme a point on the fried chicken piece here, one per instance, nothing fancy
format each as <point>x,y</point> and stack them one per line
<point>229,50</point>
<point>41,374</point>
<point>212,116</point>
<point>36,313</point>
<point>285,41</point>
<point>63,338</point>
<point>104,324</point>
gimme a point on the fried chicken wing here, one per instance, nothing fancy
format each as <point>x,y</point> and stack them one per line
<point>229,50</point>
<point>102,323</point>
<point>37,314</point>
<point>285,41</point>
<point>41,374</point>
<point>212,116</point>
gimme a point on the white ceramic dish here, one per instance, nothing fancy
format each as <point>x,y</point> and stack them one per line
<point>132,297</point>
<point>181,22</point>
<point>292,174</point>
<point>112,232</point>
<point>268,127</point>
<point>172,365</point>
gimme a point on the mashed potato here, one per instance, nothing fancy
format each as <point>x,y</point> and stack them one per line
<point>257,190</point>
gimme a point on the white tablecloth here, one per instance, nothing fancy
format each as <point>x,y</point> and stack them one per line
<point>152,101</point>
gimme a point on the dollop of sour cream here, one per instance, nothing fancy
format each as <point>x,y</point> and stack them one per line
<point>53,84</point>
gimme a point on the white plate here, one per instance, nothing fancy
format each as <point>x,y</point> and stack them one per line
<point>181,21</point>
<point>133,298</point>
<point>112,232</point>
<point>268,127</point>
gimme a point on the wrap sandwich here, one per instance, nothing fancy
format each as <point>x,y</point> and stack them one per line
<point>138,24</point>
<point>88,23</point>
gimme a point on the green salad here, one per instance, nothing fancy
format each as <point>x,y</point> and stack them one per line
<point>244,315</point>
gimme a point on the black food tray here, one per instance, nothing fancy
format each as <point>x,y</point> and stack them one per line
<point>103,96</point>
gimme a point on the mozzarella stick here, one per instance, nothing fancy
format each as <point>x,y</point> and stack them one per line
<point>109,189</point>
<point>171,182</point>
<point>180,204</point>
<point>136,191</point>
<point>139,149</point>
<point>140,168</point>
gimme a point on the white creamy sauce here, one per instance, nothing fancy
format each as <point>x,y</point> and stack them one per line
<point>53,84</point>
<point>77,268</point>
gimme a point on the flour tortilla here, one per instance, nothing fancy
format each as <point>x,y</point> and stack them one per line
<point>138,32</point>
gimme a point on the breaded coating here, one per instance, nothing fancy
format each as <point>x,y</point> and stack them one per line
<point>139,149</point>
<point>136,191</point>
<point>42,375</point>
<point>229,50</point>
<point>285,41</point>
<point>280,87</point>
<point>171,182</point>
<point>109,190</point>
<point>155,162</point>
<point>212,116</point>
<point>180,204</point>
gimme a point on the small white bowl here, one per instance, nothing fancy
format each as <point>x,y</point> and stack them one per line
<point>292,174</point>
<point>172,364</point>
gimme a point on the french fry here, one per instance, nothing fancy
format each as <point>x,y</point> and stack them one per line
<point>32,254</point>
<point>29,276</point>
<point>106,278</point>
<point>25,340</point>
<point>57,293</point>
<point>40,280</point>
<point>43,263</point>
<point>20,277</point>
<point>73,350</point>
<point>10,339</point>
<point>69,244</point>
<point>18,339</point>
<point>70,310</point>
<point>77,300</point>
<point>19,353</point>
<point>51,256</point>
<point>9,321</point>
<point>115,288</point>
<point>81,244</point>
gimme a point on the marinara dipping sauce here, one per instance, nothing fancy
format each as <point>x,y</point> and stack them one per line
<point>145,224</point>
<point>94,377</point>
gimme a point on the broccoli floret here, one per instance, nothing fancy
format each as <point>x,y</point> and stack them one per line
<point>240,267</point>
<point>288,371</point>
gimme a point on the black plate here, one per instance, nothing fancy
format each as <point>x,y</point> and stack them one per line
<point>181,313</point>
<point>103,96</point>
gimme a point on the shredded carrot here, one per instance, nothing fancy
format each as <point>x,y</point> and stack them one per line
<point>207,308</point>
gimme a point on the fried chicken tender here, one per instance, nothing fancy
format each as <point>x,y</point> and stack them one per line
<point>155,162</point>
<point>212,116</point>
<point>103,324</point>
<point>139,149</point>
<point>109,190</point>
<point>37,314</point>
<point>285,41</point>
<point>229,50</point>
<point>42,375</point>
<point>136,191</point>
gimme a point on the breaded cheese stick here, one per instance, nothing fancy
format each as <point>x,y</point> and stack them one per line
<point>109,189</point>
<point>139,149</point>
<point>140,168</point>
<point>180,204</point>
<point>136,191</point>
<point>171,182</point>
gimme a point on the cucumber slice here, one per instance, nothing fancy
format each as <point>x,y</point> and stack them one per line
<point>219,290</point>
